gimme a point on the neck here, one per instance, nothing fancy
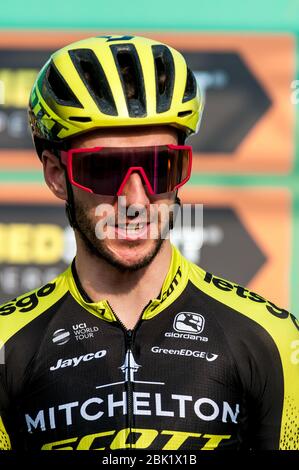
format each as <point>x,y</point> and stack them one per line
<point>127,292</point>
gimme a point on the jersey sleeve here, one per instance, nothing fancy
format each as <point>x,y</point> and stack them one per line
<point>5,442</point>
<point>271,381</point>
<point>264,342</point>
<point>4,437</point>
<point>288,346</point>
<point>267,358</point>
<point>16,355</point>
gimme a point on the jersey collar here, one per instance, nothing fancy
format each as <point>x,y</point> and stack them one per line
<point>173,285</point>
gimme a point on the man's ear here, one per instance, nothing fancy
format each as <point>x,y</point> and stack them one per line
<point>54,174</point>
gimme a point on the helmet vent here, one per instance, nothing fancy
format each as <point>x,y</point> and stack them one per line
<point>80,118</point>
<point>59,88</point>
<point>184,113</point>
<point>191,86</point>
<point>165,76</point>
<point>130,71</point>
<point>94,78</point>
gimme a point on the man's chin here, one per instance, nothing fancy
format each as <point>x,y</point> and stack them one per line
<point>131,257</point>
<point>124,255</point>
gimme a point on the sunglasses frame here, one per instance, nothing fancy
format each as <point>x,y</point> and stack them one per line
<point>67,159</point>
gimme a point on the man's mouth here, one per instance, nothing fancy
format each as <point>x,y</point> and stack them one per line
<point>132,231</point>
<point>132,227</point>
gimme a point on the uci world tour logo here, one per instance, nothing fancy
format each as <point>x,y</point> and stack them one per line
<point>61,337</point>
<point>80,332</point>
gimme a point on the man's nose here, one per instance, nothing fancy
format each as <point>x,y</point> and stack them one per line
<point>135,189</point>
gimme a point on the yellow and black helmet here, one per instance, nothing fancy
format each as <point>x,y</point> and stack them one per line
<point>111,81</point>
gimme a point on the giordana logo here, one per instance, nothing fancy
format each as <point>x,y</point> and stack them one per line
<point>188,325</point>
<point>80,331</point>
<point>189,322</point>
<point>75,361</point>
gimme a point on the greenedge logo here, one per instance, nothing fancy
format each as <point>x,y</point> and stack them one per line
<point>247,294</point>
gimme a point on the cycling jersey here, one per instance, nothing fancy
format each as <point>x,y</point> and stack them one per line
<point>209,365</point>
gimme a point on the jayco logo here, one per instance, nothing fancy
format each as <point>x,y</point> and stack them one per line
<point>75,361</point>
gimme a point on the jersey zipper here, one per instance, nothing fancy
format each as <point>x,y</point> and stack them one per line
<point>129,336</point>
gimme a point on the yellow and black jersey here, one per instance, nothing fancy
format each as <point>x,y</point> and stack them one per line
<point>209,365</point>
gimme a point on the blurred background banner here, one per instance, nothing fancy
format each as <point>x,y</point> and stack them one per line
<point>246,160</point>
<point>248,122</point>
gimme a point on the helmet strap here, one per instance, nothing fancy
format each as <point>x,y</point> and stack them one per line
<point>70,204</point>
<point>178,202</point>
<point>71,215</point>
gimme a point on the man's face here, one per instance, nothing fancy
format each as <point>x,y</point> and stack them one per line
<point>109,227</point>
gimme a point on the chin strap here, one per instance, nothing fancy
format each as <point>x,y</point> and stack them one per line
<point>177,200</point>
<point>71,215</point>
<point>70,205</point>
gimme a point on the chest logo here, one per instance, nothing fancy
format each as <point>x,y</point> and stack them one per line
<point>189,322</point>
<point>129,369</point>
<point>61,337</point>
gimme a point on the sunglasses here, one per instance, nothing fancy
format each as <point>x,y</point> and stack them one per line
<point>105,170</point>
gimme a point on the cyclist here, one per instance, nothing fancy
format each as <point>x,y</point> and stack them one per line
<point>133,346</point>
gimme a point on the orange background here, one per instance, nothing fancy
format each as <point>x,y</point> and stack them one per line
<point>266,214</point>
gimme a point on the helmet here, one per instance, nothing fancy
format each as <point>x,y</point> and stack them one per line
<point>112,81</point>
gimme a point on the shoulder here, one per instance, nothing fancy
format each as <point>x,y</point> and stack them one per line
<point>264,340</point>
<point>249,318</point>
<point>243,301</point>
<point>19,312</point>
